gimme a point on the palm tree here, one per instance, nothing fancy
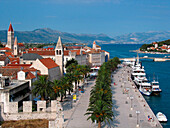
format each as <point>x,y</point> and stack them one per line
<point>59,88</point>
<point>42,87</point>
<point>70,79</point>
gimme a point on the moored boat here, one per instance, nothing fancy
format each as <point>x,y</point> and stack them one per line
<point>155,87</point>
<point>161,117</point>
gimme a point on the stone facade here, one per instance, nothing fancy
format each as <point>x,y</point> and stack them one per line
<point>54,113</point>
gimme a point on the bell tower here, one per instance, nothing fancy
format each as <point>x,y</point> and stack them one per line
<point>59,55</point>
<point>10,37</point>
<point>16,47</point>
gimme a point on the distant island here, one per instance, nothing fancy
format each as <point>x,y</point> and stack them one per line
<point>156,47</point>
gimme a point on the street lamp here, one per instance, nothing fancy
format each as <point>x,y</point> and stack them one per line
<point>137,112</point>
<point>131,98</point>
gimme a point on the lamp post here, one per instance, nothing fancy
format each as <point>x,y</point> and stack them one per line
<point>137,112</point>
<point>131,98</point>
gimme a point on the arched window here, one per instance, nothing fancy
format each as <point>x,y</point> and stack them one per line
<point>59,52</point>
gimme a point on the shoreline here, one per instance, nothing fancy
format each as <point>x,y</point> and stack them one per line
<point>147,52</point>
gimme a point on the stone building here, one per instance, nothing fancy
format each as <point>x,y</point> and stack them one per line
<point>29,58</point>
<point>4,60</point>
<point>48,67</point>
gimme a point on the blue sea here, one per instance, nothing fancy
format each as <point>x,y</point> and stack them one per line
<point>160,69</point>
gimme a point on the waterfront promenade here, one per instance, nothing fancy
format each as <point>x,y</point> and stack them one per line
<point>125,107</point>
<point>124,110</point>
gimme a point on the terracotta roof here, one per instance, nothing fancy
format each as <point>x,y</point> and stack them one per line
<point>5,48</point>
<point>163,47</point>
<point>8,72</point>
<point>3,58</point>
<point>14,60</point>
<point>10,54</point>
<point>94,42</point>
<point>30,76</point>
<point>66,52</point>
<point>32,69</point>
<point>154,43</point>
<point>43,53</point>
<point>17,66</point>
<point>49,63</point>
<point>10,28</point>
<point>21,45</point>
<point>98,46</point>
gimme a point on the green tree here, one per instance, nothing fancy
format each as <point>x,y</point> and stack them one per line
<point>42,87</point>
<point>59,88</point>
<point>72,61</point>
<point>100,105</point>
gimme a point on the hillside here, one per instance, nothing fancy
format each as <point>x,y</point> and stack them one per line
<point>143,37</point>
<point>46,35</point>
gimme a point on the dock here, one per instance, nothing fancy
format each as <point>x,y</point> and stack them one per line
<point>145,57</point>
<point>129,106</point>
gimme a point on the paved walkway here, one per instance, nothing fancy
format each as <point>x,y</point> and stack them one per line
<point>74,118</point>
<point>124,115</point>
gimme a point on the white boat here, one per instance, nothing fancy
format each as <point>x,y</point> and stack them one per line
<point>144,87</point>
<point>155,88</point>
<point>161,117</point>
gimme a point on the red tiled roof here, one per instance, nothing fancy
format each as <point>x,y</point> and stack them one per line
<point>14,60</point>
<point>5,48</point>
<point>21,45</point>
<point>66,52</point>
<point>9,54</point>
<point>154,43</point>
<point>163,47</point>
<point>17,66</point>
<point>49,63</point>
<point>30,76</point>
<point>43,53</point>
<point>3,58</point>
<point>98,46</point>
<point>10,28</point>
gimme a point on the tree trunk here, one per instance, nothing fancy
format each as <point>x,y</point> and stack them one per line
<point>75,85</point>
<point>69,92</point>
<point>65,93</point>
<point>99,124</point>
<point>61,98</point>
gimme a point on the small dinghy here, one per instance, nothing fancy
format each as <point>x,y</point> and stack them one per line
<point>161,117</point>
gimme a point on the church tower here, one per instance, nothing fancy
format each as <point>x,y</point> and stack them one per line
<point>10,37</point>
<point>59,55</point>
<point>16,47</point>
<point>94,45</point>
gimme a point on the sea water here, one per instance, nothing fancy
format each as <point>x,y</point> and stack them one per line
<point>161,71</point>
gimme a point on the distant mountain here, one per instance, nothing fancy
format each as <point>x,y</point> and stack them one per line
<point>143,37</point>
<point>47,35</point>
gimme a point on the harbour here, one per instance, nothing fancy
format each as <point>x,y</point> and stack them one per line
<point>160,69</point>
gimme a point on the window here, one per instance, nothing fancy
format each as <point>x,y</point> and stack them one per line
<point>30,62</point>
<point>66,59</point>
<point>59,52</point>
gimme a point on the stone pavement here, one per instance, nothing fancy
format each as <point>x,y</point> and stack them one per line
<point>74,117</point>
<point>124,107</point>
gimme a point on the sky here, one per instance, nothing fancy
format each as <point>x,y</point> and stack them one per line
<point>111,17</point>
